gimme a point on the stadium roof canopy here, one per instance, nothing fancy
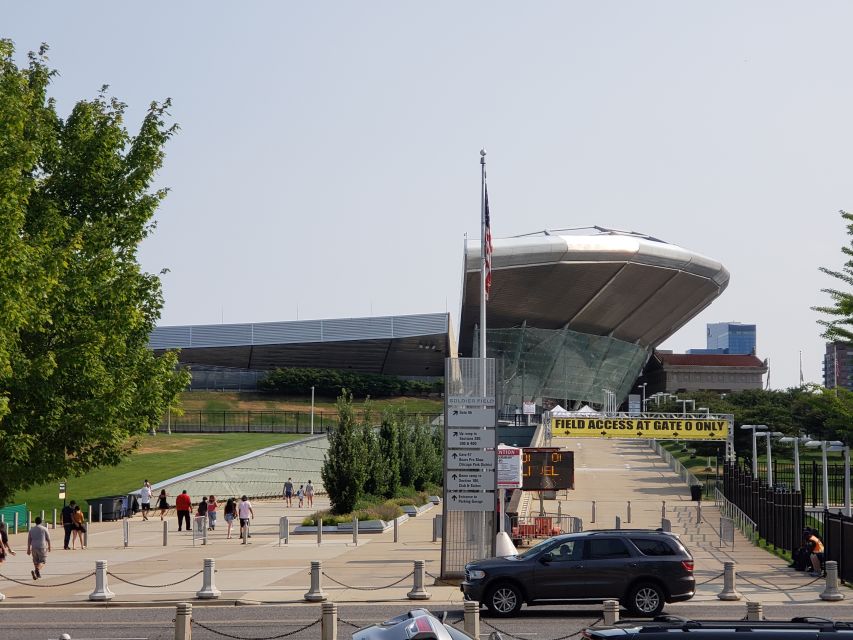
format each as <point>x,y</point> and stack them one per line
<point>598,281</point>
<point>412,345</point>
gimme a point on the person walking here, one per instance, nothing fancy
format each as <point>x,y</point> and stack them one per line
<point>246,514</point>
<point>163,503</point>
<point>201,516</point>
<point>145,499</point>
<point>230,513</point>
<point>309,493</point>
<point>183,505</point>
<point>288,492</point>
<point>4,543</point>
<point>211,513</point>
<point>300,494</point>
<point>38,546</point>
<point>68,523</point>
<point>79,528</point>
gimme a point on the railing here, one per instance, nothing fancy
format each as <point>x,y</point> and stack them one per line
<point>675,464</point>
<point>256,421</point>
<point>543,526</point>
<point>728,510</point>
<point>838,538</point>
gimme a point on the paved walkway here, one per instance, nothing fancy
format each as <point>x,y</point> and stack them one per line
<point>608,472</point>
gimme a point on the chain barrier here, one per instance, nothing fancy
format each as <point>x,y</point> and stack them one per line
<point>439,580</point>
<point>347,586</point>
<point>351,624</point>
<point>773,588</point>
<point>154,586</point>
<point>716,577</point>
<point>45,586</point>
<point>281,635</point>
<point>566,637</point>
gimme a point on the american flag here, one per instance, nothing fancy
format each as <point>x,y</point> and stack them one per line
<point>487,244</point>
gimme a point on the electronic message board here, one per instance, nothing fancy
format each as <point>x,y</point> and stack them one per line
<point>546,469</point>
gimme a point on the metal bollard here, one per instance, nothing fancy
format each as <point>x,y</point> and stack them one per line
<point>472,618</point>
<point>42,517</point>
<point>698,513</point>
<point>54,518</point>
<point>90,514</point>
<point>315,593</point>
<point>165,533</point>
<point>396,529</point>
<point>100,512</point>
<point>244,533</point>
<point>86,534</point>
<point>125,525</point>
<point>663,509</point>
<point>611,612</point>
<point>618,523</point>
<point>629,512</point>
<point>329,621</point>
<point>16,522</point>
<point>559,510</point>
<point>355,532</point>
<point>283,530</point>
<point>754,611</point>
<point>183,621</point>
<point>435,528</point>
<point>831,591</point>
<point>418,592</point>
<point>729,591</point>
<point>29,520</point>
<point>319,522</point>
<point>203,525</point>
<point>102,589</point>
<point>593,512</point>
<point>665,524</point>
<point>208,586</point>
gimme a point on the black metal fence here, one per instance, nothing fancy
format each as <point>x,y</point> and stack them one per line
<point>811,480</point>
<point>838,542</point>
<point>255,421</point>
<point>778,513</point>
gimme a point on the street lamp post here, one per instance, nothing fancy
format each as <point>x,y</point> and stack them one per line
<point>825,446</point>
<point>769,434</point>
<point>754,427</point>
<point>796,442</point>
<point>312,410</point>
<point>644,395</point>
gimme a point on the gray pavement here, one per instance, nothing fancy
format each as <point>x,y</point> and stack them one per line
<point>267,571</point>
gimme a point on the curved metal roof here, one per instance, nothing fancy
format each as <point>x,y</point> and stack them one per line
<point>594,280</point>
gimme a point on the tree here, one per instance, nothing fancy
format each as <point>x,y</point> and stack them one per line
<point>344,469</point>
<point>389,448</point>
<point>840,326</point>
<point>78,382</point>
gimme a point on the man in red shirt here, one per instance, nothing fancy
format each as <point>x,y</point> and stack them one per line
<point>183,505</point>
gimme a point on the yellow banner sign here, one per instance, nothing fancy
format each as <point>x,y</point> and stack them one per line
<point>662,429</point>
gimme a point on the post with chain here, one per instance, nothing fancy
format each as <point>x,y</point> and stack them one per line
<point>729,591</point>
<point>418,592</point>
<point>183,621</point>
<point>831,591</point>
<point>102,588</point>
<point>754,611</point>
<point>472,618</point>
<point>208,586</point>
<point>315,593</point>
<point>329,621</point>
<point>611,612</point>
<point>165,533</point>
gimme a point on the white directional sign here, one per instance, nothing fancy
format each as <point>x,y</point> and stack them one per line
<point>470,438</point>
<point>468,417</point>
<point>474,459</point>
<point>470,502</point>
<point>474,480</point>
<point>471,401</point>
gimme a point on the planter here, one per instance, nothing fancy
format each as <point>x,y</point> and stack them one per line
<point>364,526</point>
<point>413,512</point>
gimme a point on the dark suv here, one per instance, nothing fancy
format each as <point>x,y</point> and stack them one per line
<point>642,569</point>
<point>667,628</point>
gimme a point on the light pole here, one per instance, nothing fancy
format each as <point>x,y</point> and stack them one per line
<point>753,427</point>
<point>769,434</point>
<point>796,441</point>
<point>312,410</point>
<point>825,446</point>
<point>644,395</point>
<point>684,406</point>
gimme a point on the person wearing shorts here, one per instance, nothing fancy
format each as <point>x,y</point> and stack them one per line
<point>246,513</point>
<point>229,512</point>
<point>309,493</point>
<point>288,492</point>
<point>38,546</point>
<point>145,499</point>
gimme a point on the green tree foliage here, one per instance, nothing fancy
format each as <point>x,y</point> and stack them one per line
<point>840,324</point>
<point>389,446</point>
<point>344,469</point>
<point>330,383</point>
<point>77,380</point>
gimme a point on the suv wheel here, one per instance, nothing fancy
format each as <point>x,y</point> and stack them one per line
<point>504,600</point>
<point>646,599</point>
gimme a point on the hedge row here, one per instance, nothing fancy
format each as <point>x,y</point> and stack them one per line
<point>331,382</point>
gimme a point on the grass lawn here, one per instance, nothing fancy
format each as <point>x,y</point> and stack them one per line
<point>158,458</point>
<point>246,401</point>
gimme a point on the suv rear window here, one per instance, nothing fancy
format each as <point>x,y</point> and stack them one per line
<point>605,549</point>
<point>651,547</point>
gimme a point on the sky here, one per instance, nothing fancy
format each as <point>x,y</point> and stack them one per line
<point>327,163</point>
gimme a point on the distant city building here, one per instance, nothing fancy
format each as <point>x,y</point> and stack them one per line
<point>838,365</point>
<point>724,373</point>
<point>728,338</point>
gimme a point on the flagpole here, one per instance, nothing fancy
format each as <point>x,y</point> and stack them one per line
<point>483,263</point>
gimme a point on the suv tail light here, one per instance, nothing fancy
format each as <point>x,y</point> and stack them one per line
<point>688,565</point>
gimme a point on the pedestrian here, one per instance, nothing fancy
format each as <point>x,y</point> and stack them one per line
<point>211,513</point>
<point>163,503</point>
<point>68,523</point>
<point>4,543</point>
<point>288,492</point>
<point>38,546</point>
<point>300,494</point>
<point>201,516</point>
<point>309,493</point>
<point>815,549</point>
<point>79,528</point>
<point>183,505</point>
<point>230,513</point>
<point>145,499</point>
<point>246,513</point>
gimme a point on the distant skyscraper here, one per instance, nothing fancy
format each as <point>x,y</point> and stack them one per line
<point>838,365</point>
<point>734,338</point>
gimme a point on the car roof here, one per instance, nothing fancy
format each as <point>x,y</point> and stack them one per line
<point>665,626</point>
<point>618,532</point>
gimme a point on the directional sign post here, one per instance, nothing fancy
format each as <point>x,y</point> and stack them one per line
<point>471,502</point>
<point>473,480</point>
<point>471,438</point>
<point>473,459</point>
<point>471,417</point>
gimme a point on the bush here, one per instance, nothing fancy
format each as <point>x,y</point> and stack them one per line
<point>332,382</point>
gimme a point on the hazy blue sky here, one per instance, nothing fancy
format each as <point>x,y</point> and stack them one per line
<point>327,163</point>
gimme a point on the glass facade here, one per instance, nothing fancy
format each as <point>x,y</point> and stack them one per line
<point>730,337</point>
<point>561,365</point>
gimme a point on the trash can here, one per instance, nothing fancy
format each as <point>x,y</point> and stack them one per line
<point>696,492</point>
